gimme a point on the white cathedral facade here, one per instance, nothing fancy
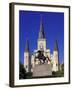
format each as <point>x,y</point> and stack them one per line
<point>32,60</point>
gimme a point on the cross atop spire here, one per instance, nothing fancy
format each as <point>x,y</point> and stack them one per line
<point>27,46</point>
<point>56,46</point>
<point>41,33</point>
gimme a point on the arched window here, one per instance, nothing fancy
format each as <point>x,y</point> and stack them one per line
<point>26,66</point>
<point>56,64</point>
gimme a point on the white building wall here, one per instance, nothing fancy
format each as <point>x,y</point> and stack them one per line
<point>26,61</point>
<point>52,59</point>
<point>48,53</point>
<point>55,61</point>
<point>32,62</point>
<point>42,43</point>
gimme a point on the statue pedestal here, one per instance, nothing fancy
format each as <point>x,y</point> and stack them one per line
<point>42,70</point>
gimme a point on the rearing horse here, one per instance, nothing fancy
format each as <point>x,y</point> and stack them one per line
<point>41,56</point>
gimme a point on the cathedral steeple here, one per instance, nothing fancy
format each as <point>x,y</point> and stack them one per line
<point>55,57</point>
<point>41,33</point>
<point>56,46</point>
<point>27,57</point>
<point>27,46</point>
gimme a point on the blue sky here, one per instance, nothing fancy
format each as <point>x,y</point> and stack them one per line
<point>29,27</point>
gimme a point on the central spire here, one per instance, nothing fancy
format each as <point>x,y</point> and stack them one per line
<point>41,33</point>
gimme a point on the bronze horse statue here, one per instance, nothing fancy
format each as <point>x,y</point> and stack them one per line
<point>41,56</point>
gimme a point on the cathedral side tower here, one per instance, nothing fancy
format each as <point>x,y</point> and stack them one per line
<point>27,57</point>
<point>41,39</point>
<point>55,57</point>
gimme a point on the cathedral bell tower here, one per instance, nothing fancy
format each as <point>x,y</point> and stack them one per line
<point>41,39</point>
<point>27,57</point>
<point>55,57</point>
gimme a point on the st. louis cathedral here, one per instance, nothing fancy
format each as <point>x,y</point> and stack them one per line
<point>41,60</point>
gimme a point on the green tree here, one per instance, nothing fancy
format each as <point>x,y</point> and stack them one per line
<point>22,72</point>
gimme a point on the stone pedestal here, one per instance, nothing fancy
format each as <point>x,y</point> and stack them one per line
<point>42,70</point>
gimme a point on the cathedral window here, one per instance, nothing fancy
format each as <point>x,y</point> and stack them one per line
<point>56,64</point>
<point>26,56</point>
<point>26,66</point>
